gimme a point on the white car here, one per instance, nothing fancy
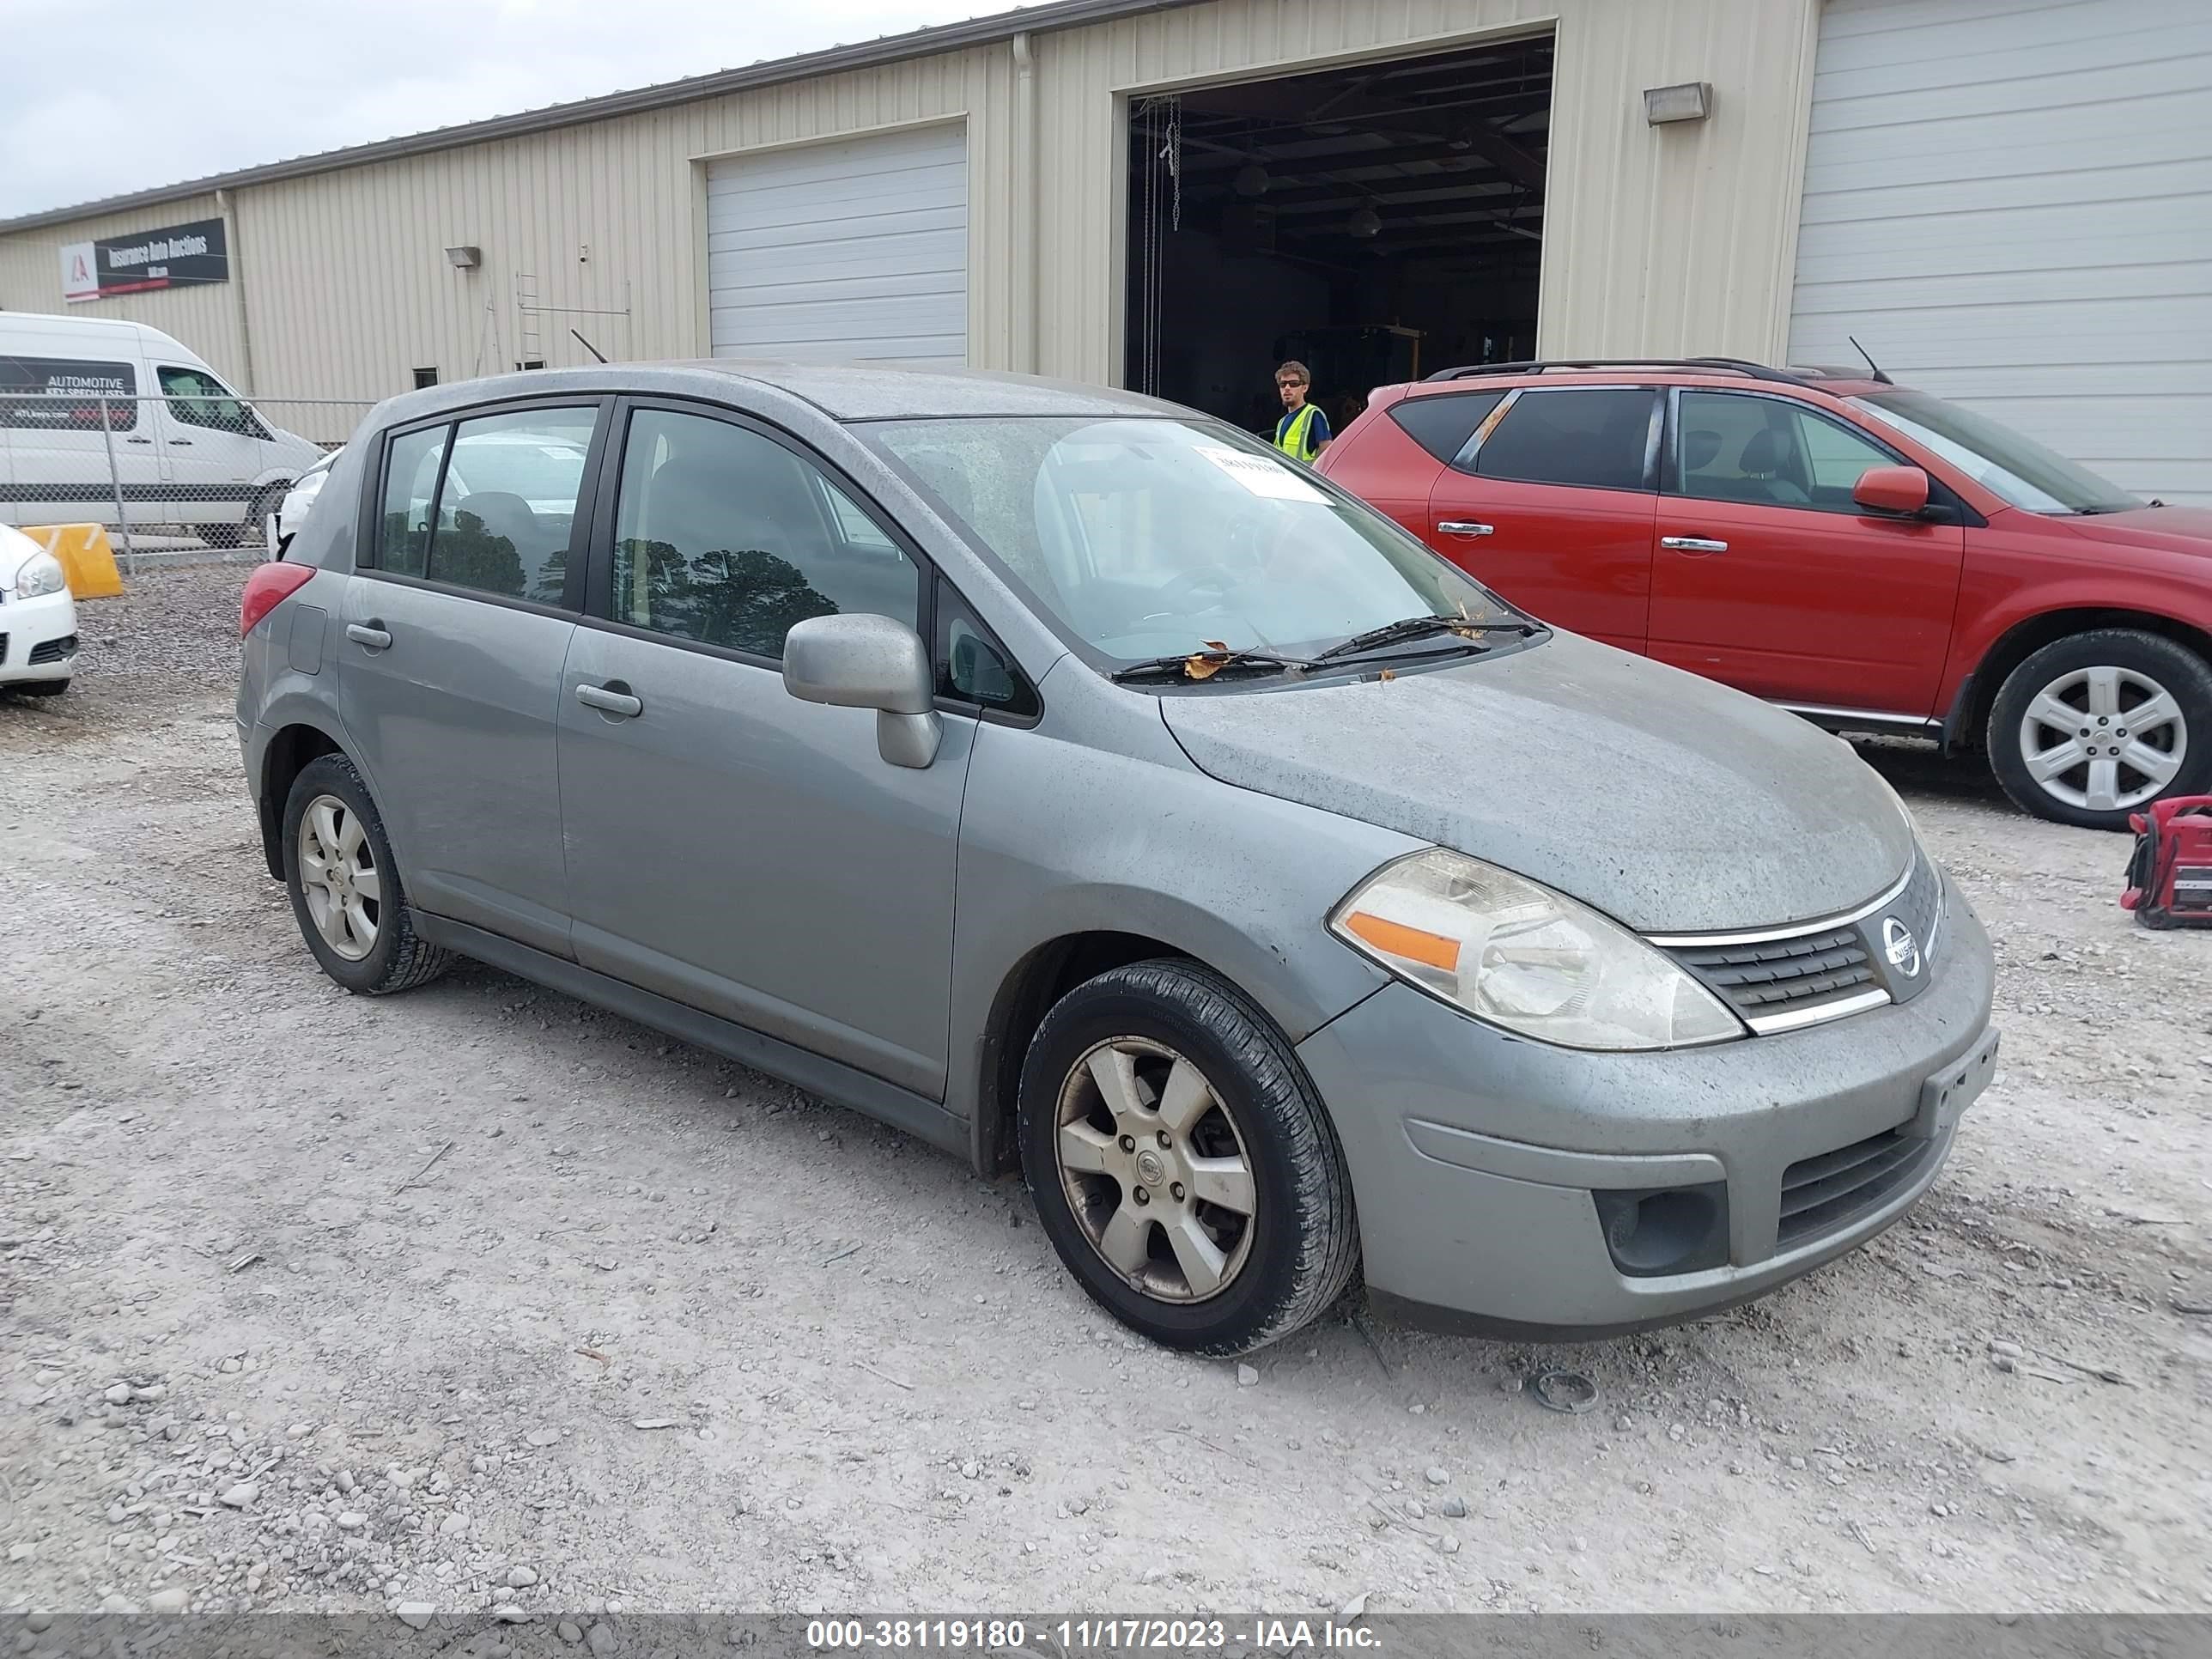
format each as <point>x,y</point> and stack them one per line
<point>38,619</point>
<point>288,514</point>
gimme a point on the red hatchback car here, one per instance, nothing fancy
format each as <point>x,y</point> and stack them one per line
<point>1871,557</point>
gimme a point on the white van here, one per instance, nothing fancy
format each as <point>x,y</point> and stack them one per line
<point>186,449</point>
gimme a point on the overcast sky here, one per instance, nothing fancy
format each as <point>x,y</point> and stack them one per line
<point>104,96</point>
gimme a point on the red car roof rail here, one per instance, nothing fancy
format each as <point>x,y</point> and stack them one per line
<point>1709,365</point>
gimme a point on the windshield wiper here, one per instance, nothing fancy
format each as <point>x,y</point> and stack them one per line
<point>1414,627</point>
<point>1208,663</point>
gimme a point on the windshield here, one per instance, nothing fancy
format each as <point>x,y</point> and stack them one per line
<point>1144,537</point>
<point>1991,453</point>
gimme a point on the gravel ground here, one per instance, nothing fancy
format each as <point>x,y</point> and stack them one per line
<point>476,1298</point>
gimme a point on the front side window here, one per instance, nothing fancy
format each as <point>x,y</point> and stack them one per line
<point>1768,453</point>
<point>1139,537</point>
<point>1595,438</point>
<point>197,398</point>
<point>2016,468</point>
<point>410,484</point>
<point>724,536</point>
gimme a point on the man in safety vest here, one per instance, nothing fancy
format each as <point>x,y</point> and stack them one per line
<point>1303,433</point>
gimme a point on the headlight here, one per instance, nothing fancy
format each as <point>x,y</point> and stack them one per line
<point>41,574</point>
<point>1520,956</point>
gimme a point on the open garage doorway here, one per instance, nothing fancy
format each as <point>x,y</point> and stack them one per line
<point>1378,220</point>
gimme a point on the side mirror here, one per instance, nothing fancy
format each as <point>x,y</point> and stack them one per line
<point>861,661</point>
<point>1896,491</point>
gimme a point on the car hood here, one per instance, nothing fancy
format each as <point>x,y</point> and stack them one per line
<point>2166,529</point>
<point>1671,802</point>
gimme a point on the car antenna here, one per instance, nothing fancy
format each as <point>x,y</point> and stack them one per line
<point>1880,378</point>
<point>602,355</point>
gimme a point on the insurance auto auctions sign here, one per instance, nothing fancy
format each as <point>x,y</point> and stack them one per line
<point>177,256</point>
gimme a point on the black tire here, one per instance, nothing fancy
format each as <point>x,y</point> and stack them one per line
<point>38,688</point>
<point>400,960</point>
<point>2180,672</point>
<point>220,534</point>
<point>1304,1247</point>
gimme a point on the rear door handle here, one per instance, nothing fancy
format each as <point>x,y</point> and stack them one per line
<point>1462,527</point>
<point>1694,543</point>
<point>612,698</point>
<point>186,442</point>
<point>371,633</point>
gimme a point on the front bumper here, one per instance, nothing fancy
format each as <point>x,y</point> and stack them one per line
<point>1474,1156</point>
<point>38,638</point>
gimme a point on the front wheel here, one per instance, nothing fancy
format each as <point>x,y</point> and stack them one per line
<point>2097,726</point>
<point>1180,1162</point>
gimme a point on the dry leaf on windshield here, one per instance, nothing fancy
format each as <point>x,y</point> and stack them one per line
<point>1200,667</point>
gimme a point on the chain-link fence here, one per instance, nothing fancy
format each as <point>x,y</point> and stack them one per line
<point>193,467</point>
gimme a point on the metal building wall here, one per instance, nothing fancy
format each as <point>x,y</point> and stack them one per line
<point>1656,239</point>
<point>205,319</point>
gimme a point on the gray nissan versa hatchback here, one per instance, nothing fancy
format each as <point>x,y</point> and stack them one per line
<point>1069,780</point>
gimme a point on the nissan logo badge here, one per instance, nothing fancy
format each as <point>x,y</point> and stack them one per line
<point>1898,946</point>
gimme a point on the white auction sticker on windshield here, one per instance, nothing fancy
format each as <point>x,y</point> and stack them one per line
<point>1263,477</point>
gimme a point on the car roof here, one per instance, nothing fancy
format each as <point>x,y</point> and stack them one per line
<point>844,392</point>
<point>1835,382</point>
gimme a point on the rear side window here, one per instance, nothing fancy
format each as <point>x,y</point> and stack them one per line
<point>508,503</point>
<point>65,394</point>
<point>1443,424</point>
<point>1595,437</point>
<point>410,484</point>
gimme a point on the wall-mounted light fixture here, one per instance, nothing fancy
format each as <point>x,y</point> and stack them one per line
<point>465,258</point>
<point>1692,100</point>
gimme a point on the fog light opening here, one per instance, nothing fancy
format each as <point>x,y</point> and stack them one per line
<point>1671,1229</point>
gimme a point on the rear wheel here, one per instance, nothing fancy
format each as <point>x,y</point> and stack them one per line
<point>344,884</point>
<point>221,535</point>
<point>2097,726</point>
<point>1180,1163</point>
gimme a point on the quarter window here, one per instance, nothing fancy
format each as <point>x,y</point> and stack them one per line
<point>1442,423</point>
<point>508,505</point>
<point>726,537</point>
<point>1768,452</point>
<point>411,484</point>
<point>1593,437</point>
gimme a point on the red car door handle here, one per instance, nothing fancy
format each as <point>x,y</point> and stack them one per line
<point>1694,543</point>
<point>1461,527</point>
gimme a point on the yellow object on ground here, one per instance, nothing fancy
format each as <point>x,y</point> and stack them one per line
<point>86,558</point>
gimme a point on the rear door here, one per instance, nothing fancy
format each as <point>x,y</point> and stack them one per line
<point>1770,578</point>
<point>453,637</point>
<point>1551,502</point>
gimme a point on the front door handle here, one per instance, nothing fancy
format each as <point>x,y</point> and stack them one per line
<point>371,633</point>
<point>1462,527</point>
<point>612,698</point>
<point>1694,543</point>
<point>137,440</point>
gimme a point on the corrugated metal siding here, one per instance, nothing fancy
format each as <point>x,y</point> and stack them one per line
<point>854,250</point>
<point>2010,203</point>
<point>1655,240</point>
<point>204,318</point>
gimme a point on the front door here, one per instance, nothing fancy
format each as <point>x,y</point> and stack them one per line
<point>727,845</point>
<point>1770,578</point>
<point>1551,505</point>
<point>451,648</point>
<point>214,446</point>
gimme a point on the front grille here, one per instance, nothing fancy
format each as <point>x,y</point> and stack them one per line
<point>1781,976</point>
<point>4,650</point>
<point>53,650</point>
<point>1830,1191</point>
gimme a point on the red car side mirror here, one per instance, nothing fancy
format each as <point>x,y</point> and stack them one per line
<point>1897,491</point>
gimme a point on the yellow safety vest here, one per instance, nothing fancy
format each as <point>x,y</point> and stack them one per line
<point>1296,440</point>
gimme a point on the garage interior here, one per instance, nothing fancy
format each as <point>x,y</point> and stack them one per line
<point>1377,221</point>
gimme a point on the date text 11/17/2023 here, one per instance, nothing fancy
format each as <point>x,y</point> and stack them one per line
<point>1086,1635</point>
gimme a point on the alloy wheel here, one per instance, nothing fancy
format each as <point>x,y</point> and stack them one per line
<point>1155,1169</point>
<point>2104,739</point>
<point>338,876</point>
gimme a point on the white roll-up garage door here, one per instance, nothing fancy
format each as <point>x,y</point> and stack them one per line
<point>2009,202</point>
<point>838,252</point>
